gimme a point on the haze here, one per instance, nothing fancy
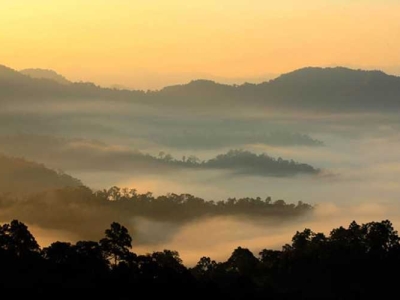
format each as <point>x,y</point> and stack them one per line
<point>152,44</point>
<point>241,120</point>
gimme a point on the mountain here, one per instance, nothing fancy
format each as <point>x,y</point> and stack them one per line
<point>334,88</point>
<point>198,93</point>
<point>16,85</point>
<point>19,177</point>
<point>328,89</point>
<point>8,76</point>
<point>46,74</point>
<point>308,89</point>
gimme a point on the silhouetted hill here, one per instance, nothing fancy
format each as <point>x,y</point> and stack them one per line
<point>18,176</point>
<point>64,208</point>
<point>7,75</point>
<point>245,162</point>
<point>199,87</point>
<point>79,154</point>
<point>46,74</point>
<point>334,88</point>
<point>329,89</point>
<point>308,88</point>
<point>17,86</point>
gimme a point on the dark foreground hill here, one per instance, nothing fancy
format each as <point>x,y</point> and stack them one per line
<point>358,262</point>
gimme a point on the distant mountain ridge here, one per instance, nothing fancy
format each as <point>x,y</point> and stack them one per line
<point>46,74</point>
<point>338,89</point>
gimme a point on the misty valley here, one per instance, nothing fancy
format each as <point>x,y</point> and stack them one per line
<point>201,149</point>
<point>236,191</point>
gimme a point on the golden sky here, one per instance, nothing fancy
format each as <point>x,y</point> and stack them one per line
<point>151,43</point>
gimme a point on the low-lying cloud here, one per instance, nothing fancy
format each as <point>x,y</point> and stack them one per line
<point>83,155</point>
<point>218,237</point>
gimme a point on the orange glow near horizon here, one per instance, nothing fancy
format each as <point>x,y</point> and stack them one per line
<point>149,44</point>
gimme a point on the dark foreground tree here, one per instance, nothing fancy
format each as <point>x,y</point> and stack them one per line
<point>117,243</point>
<point>356,262</point>
<point>16,239</point>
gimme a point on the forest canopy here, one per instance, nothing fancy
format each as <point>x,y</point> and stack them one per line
<point>349,262</point>
<point>64,208</point>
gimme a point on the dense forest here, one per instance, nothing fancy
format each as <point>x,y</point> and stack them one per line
<point>65,207</point>
<point>349,263</point>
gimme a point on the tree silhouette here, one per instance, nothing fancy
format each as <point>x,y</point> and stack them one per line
<point>380,237</point>
<point>16,238</point>
<point>351,263</point>
<point>302,239</point>
<point>242,261</point>
<point>204,267</point>
<point>116,243</point>
<point>270,258</point>
<point>168,259</point>
<point>59,252</point>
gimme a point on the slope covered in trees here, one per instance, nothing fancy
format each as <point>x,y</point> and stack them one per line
<point>350,263</point>
<point>19,177</point>
<point>62,209</point>
<point>46,74</point>
<point>89,155</point>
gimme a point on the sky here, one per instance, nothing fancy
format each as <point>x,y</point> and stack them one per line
<point>150,44</point>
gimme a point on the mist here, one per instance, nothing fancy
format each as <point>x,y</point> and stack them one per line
<point>292,139</point>
<point>217,237</point>
<point>200,149</point>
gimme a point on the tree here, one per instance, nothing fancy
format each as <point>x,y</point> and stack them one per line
<point>168,157</point>
<point>168,259</point>
<point>243,261</point>
<point>114,193</point>
<point>193,160</point>
<point>302,239</point>
<point>380,237</point>
<point>89,255</point>
<point>117,243</point>
<point>89,250</point>
<point>59,253</point>
<point>161,154</point>
<point>204,267</point>
<point>16,238</point>
<point>270,257</point>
